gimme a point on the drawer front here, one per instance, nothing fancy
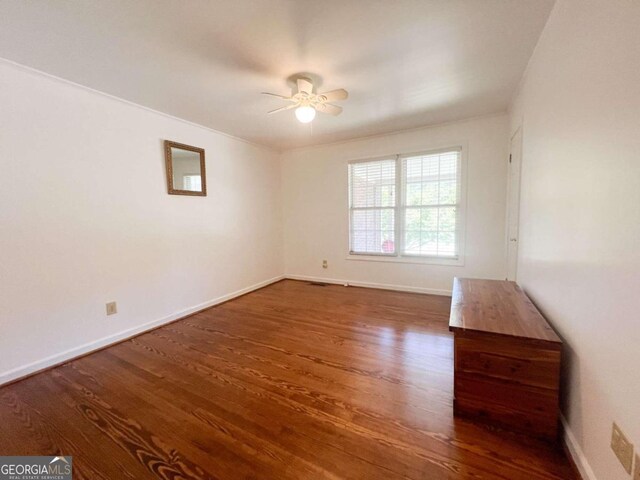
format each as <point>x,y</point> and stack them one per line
<point>541,426</point>
<point>531,400</point>
<point>512,361</point>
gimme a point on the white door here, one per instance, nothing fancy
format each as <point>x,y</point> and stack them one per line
<point>513,204</point>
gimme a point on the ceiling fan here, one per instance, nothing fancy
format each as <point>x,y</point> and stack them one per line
<point>307,103</point>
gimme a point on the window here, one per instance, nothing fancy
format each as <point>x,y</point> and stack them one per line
<point>407,205</point>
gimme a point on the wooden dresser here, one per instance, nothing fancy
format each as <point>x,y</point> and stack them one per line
<point>507,358</point>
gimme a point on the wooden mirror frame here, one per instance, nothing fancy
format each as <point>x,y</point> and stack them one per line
<point>168,144</point>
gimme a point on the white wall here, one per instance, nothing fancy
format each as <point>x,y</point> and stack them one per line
<point>580,213</point>
<point>85,218</point>
<point>315,201</point>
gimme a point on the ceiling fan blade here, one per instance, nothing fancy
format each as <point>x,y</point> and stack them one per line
<point>304,85</point>
<point>276,95</point>
<point>334,95</point>
<point>330,109</point>
<point>288,107</point>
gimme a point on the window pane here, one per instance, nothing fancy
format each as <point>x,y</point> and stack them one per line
<point>412,242</point>
<point>448,165</point>
<point>446,243</point>
<point>447,219</point>
<point>414,193</point>
<point>373,184</point>
<point>448,192</point>
<point>430,167</point>
<point>412,219</point>
<point>414,168</point>
<point>373,231</point>
<point>387,220</point>
<point>429,217</point>
<point>429,244</point>
<point>430,193</point>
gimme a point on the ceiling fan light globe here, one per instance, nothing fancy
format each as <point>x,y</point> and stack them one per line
<point>305,114</point>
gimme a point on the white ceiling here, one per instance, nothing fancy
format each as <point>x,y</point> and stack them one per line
<point>405,63</point>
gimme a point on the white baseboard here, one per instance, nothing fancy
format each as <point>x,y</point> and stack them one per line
<point>383,286</point>
<point>53,360</point>
<point>576,452</point>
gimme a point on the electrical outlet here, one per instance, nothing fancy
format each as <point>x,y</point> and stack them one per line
<point>325,264</point>
<point>622,447</point>
<point>636,472</point>
<point>112,308</point>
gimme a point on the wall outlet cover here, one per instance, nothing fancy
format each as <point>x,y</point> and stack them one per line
<point>112,308</point>
<point>622,447</point>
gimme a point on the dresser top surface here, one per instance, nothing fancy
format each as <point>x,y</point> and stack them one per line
<point>497,307</point>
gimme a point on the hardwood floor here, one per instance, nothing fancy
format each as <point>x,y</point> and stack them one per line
<point>293,381</point>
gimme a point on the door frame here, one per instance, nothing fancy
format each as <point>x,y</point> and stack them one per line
<point>512,239</point>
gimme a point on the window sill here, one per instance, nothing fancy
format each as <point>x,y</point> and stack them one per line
<point>450,262</point>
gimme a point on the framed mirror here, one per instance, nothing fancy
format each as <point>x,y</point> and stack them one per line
<point>185,169</point>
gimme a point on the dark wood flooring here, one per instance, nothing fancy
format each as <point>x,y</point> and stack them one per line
<point>293,381</point>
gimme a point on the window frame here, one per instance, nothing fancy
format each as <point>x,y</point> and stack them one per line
<point>400,209</point>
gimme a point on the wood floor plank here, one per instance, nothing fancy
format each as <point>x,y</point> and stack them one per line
<point>292,381</point>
